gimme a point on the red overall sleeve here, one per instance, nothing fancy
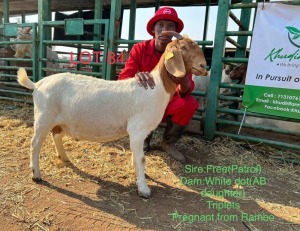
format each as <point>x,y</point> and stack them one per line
<point>132,64</point>
<point>142,57</point>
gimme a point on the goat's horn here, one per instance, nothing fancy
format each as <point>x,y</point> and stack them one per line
<point>173,33</point>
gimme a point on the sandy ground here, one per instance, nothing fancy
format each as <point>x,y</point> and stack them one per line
<point>97,190</point>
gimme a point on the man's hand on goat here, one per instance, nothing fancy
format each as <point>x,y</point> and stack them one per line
<point>145,79</point>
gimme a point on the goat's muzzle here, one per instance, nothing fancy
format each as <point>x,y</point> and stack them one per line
<point>201,70</point>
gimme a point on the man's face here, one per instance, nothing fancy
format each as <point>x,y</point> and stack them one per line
<point>164,25</point>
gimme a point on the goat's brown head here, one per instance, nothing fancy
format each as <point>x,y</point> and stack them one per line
<point>239,73</point>
<point>183,56</point>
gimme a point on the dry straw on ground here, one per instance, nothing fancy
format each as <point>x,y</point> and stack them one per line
<point>97,191</point>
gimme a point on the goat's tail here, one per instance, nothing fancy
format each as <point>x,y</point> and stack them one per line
<point>24,80</point>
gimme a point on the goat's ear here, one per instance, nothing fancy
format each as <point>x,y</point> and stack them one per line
<point>174,63</point>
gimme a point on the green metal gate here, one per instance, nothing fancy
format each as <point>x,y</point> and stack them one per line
<point>10,89</point>
<point>96,50</point>
<point>100,50</point>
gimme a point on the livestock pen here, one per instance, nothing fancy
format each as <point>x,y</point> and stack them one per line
<point>97,190</point>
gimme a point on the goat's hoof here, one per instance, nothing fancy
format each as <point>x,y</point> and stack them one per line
<point>145,193</point>
<point>64,159</point>
<point>64,162</point>
<point>37,180</point>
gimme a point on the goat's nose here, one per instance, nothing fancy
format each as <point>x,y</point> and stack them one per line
<point>204,67</point>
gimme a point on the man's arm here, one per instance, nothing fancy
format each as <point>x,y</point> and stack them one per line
<point>131,65</point>
<point>185,85</point>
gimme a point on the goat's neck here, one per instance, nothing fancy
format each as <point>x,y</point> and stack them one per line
<point>168,83</point>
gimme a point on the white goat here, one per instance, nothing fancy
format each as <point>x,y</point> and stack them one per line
<point>26,49</point>
<point>202,83</point>
<point>97,110</point>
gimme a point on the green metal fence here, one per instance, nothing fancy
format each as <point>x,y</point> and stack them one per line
<point>96,50</point>
<point>220,120</point>
<point>10,89</point>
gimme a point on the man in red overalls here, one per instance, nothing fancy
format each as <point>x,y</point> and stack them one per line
<point>143,58</point>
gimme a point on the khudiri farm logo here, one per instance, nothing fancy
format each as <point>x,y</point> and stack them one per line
<point>294,35</point>
<point>281,53</point>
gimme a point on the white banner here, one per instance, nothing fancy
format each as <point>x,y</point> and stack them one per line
<point>275,49</point>
<point>273,75</point>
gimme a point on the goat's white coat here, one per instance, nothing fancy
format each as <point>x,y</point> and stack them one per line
<point>98,110</point>
<point>202,83</point>
<point>104,112</point>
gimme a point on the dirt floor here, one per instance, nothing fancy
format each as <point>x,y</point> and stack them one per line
<point>97,190</point>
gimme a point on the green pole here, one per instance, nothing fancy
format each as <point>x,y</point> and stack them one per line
<point>98,31</point>
<point>245,21</point>
<point>206,24</point>
<point>216,70</point>
<point>23,16</point>
<point>157,5</point>
<point>6,11</point>
<point>206,19</point>
<point>6,20</point>
<point>113,35</point>
<point>44,14</point>
<point>132,22</point>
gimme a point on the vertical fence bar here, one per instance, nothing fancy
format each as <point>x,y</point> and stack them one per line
<point>6,20</point>
<point>44,6</point>
<point>105,50</point>
<point>98,32</point>
<point>35,63</point>
<point>216,70</point>
<point>114,26</point>
<point>207,8</point>
<point>132,22</point>
<point>157,5</point>
<point>6,11</point>
<point>245,21</point>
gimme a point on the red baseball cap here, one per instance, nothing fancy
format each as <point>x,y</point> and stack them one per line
<point>165,13</point>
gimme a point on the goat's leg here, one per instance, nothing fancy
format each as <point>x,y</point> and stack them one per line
<point>36,144</point>
<point>29,51</point>
<point>20,51</point>
<point>40,133</point>
<point>57,138</point>
<point>136,146</point>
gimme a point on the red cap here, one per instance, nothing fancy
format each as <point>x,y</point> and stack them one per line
<point>165,13</point>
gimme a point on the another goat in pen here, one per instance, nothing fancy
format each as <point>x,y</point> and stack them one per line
<point>239,73</point>
<point>202,83</point>
<point>97,110</point>
<point>26,49</point>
